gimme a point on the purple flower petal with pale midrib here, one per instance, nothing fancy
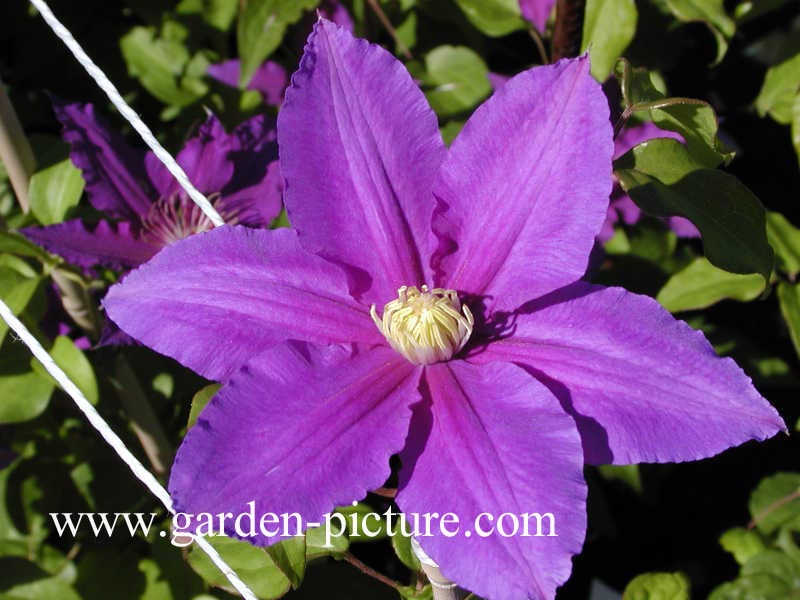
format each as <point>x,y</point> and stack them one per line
<point>290,412</point>
<point>216,299</point>
<point>643,386</point>
<point>354,114</point>
<point>471,451</point>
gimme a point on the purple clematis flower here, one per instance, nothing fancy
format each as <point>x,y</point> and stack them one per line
<point>622,207</point>
<point>537,11</point>
<point>495,385</point>
<point>270,78</point>
<point>239,172</point>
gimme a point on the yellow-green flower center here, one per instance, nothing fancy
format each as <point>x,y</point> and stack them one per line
<point>426,326</point>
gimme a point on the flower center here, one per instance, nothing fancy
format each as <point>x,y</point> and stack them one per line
<point>426,326</point>
<point>174,218</point>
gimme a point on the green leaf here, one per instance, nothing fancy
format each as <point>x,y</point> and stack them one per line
<point>200,400</point>
<point>23,396</point>
<point>751,9</point>
<point>459,79</point>
<point>701,284</point>
<point>778,93</point>
<point>710,12</point>
<point>697,123</point>
<point>75,365</point>
<point>785,240</point>
<point>639,85</point>
<point>260,30</point>
<point>775,502</point>
<point>657,586</point>
<point>627,474</point>
<point>450,131</point>
<point>290,557</point>
<point>402,547</point>
<point>164,384</point>
<point>155,587</point>
<point>14,243</point>
<point>54,191</point>
<point>161,63</point>
<point>407,33</point>
<point>774,563</point>
<point>495,18</point>
<point>789,300</point>
<point>763,587</point>
<point>317,542</point>
<point>729,216</point>
<point>361,523</point>
<point>217,13</point>
<point>608,29</point>
<point>796,125</point>
<point>23,580</point>
<point>742,543</point>
<point>253,565</point>
<point>664,158</point>
<point>16,290</point>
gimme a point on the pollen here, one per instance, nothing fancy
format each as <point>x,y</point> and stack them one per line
<point>426,326</point>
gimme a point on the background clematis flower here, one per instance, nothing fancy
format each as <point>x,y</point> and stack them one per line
<point>148,210</point>
<point>622,207</point>
<point>495,385</point>
<point>270,78</point>
<point>537,11</point>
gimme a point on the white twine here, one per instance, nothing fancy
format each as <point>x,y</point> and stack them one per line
<point>94,418</point>
<point>113,440</point>
<point>126,111</point>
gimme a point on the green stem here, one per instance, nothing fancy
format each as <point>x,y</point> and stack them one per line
<point>144,422</point>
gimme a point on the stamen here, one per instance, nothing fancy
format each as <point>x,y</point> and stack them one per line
<point>174,218</point>
<point>426,326</point>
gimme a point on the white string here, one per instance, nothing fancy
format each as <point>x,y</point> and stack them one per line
<point>126,111</point>
<point>113,440</point>
<point>94,418</point>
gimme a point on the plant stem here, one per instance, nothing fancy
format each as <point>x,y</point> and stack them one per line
<point>144,421</point>
<point>387,24</point>
<point>385,492</point>
<point>15,150</point>
<point>537,39</point>
<point>369,571</point>
<point>568,29</point>
<point>443,588</point>
<point>773,507</point>
<point>77,302</point>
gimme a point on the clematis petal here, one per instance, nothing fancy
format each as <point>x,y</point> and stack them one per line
<point>204,157</point>
<point>296,431</point>
<point>492,439</point>
<point>114,246</point>
<point>642,386</point>
<point>270,78</point>
<point>525,187</point>
<point>359,150</point>
<point>113,171</point>
<point>537,11</point>
<point>253,288</point>
<point>253,196</point>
